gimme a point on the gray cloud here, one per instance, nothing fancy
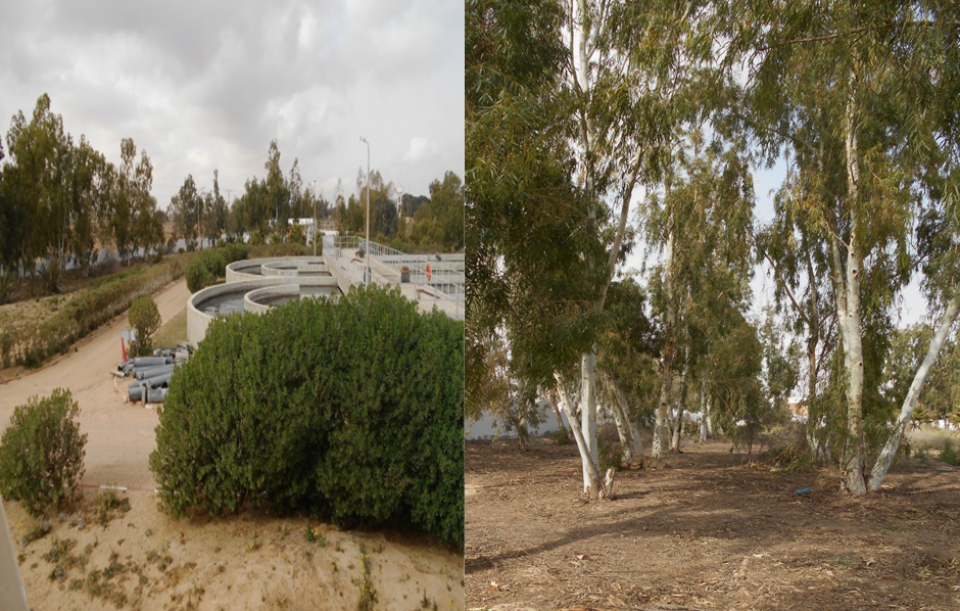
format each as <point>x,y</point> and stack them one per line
<point>205,85</point>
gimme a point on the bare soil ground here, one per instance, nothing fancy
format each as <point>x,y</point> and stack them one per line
<point>707,531</point>
<point>143,559</point>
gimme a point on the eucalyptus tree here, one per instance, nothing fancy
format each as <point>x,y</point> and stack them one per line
<point>532,237</point>
<point>795,248</point>
<point>34,185</point>
<point>147,226</point>
<point>701,224</point>
<point>869,94</point>
<point>216,223</point>
<point>625,364</point>
<point>185,206</point>
<point>85,203</point>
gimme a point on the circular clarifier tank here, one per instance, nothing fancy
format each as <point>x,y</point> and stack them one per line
<point>261,300</point>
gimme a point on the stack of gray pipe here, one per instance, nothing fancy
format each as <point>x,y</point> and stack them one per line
<point>153,374</point>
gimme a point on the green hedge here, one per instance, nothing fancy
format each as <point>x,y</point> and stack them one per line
<point>352,410</point>
<point>84,312</point>
<point>212,264</point>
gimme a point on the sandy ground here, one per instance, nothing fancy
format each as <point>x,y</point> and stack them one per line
<point>143,559</point>
<point>120,434</point>
<point>708,531</point>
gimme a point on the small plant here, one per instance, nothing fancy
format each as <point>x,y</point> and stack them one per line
<point>368,594</point>
<point>949,453</point>
<point>611,457</point>
<point>921,455</point>
<point>57,551</point>
<point>41,453</point>
<point>39,531</point>
<point>145,318</point>
<point>57,574</point>
<point>315,535</point>
<point>560,436</point>
<point>108,505</point>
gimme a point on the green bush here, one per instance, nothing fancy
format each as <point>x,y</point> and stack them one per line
<point>949,454</point>
<point>352,410</point>
<point>145,318</point>
<point>212,264</point>
<point>41,453</point>
<point>198,276</point>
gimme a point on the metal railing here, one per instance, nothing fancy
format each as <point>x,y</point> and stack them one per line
<point>441,273</point>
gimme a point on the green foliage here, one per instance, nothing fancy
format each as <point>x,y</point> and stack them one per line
<point>297,235</point>
<point>212,264</point>
<point>610,455</point>
<point>351,409</point>
<point>83,312</point>
<point>145,318</point>
<point>9,283</point>
<point>560,437</point>
<point>41,453</point>
<point>198,276</point>
<point>949,453</point>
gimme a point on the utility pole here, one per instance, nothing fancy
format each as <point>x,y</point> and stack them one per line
<point>366,276</point>
<point>316,229</point>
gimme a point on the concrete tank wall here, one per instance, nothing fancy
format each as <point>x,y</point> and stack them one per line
<point>198,321</point>
<point>240,270</point>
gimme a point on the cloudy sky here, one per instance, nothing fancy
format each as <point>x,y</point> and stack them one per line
<point>207,85</point>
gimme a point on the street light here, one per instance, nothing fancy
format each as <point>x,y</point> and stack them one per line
<point>366,276</point>
<point>316,231</point>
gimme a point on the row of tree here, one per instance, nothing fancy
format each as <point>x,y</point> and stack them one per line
<point>61,199</point>
<point>667,107</point>
<point>265,207</point>
<point>62,203</point>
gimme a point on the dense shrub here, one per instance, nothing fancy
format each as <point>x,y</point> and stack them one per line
<point>41,453</point>
<point>198,276</point>
<point>145,318</point>
<point>352,410</point>
<point>212,264</point>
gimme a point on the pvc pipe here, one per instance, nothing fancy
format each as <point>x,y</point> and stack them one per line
<point>151,361</point>
<point>136,391</point>
<point>156,395</point>
<point>157,380</point>
<point>149,372</point>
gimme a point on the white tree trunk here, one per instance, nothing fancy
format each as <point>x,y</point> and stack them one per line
<point>704,414</point>
<point>556,410</point>
<point>629,435</point>
<point>882,465</point>
<point>852,468</point>
<point>677,428</point>
<point>660,433</point>
<point>590,466</point>
<point>588,410</point>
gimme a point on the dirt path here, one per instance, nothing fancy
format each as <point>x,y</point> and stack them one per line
<point>709,532</point>
<point>120,435</point>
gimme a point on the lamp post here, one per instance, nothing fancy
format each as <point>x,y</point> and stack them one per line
<point>316,229</point>
<point>366,275</point>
